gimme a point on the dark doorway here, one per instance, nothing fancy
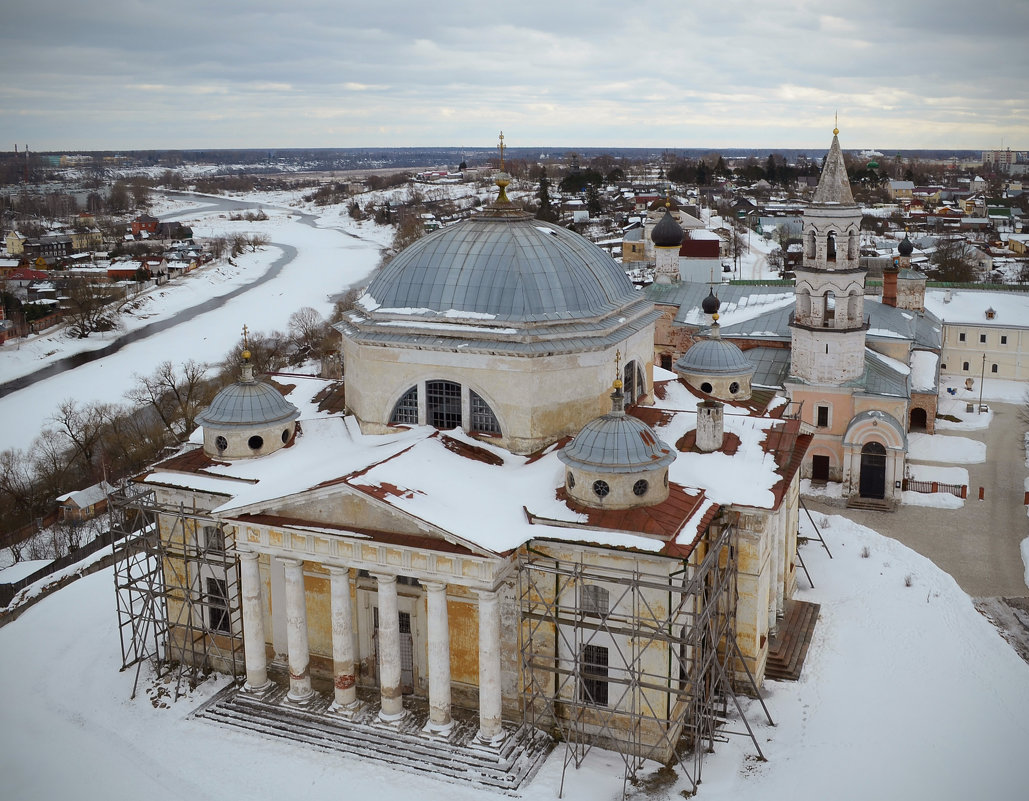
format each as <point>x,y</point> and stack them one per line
<point>820,468</point>
<point>919,420</point>
<point>873,471</point>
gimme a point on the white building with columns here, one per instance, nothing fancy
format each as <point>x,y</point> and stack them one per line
<point>386,550</point>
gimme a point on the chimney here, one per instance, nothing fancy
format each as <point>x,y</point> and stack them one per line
<point>890,285</point>
<point>710,429</point>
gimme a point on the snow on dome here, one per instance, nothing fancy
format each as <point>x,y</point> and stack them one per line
<point>505,266</point>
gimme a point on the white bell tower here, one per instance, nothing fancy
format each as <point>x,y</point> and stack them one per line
<point>828,323</point>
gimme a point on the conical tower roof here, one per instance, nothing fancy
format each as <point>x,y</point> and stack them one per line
<point>834,185</point>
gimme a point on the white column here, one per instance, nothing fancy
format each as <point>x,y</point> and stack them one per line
<point>439,658</point>
<point>253,623</point>
<point>490,727</point>
<point>390,694</point>
<point>296,631</point>
<point>343,678</point>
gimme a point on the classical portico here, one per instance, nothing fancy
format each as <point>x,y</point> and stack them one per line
<point>466,578</point>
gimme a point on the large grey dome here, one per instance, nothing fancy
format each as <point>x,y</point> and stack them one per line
<point>617,443</point>
<point>248,403</point>
<point>503,266</point>
<point>714,357</point>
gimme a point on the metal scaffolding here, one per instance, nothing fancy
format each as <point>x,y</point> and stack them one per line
<point>177,589</point>
<point>633,659</point>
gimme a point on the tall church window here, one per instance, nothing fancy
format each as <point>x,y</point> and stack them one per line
<point>443,404</point>
<point>406,410</point>
<point>593,687</point>
<point>481,418</point>
<point>218,606</point>
<point>629,382</point>
<point>830,247</point>
<point>634,386</point>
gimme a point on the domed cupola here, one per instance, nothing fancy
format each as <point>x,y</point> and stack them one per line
<point>667,233</point>
<point>248,418</point>
<point>711,304</point>
<point>715,366</point>
<point>617,461</point>
<point>905,248</point>
<point>667,237</point>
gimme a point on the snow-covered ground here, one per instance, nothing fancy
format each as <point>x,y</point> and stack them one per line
<point>336,254</point>
<point>908,693</point>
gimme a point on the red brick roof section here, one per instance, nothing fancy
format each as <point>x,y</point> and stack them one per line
<point>194,461</point>
<point>469,451</point>
<point>787,445</point>
<point>688,443</point>
<point>664,520</point>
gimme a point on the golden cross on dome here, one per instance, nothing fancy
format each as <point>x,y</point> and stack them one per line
<point>618,369</point>
<point>246,341</point>
<point>500,147</point>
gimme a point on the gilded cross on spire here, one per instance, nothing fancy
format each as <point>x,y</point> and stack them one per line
<point>618,369</point>
<point>246,343</point>
<point>836,123</point>
<point>500,147</point>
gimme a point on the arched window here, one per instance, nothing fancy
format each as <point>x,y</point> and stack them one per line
<point>481,418</point>
<point>829,310</point>
<point>406,410</point>
<point>443,404</point>
<point>629,382</point>
<point>830,247</point>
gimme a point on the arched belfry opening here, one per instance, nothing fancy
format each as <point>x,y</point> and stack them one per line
<point>830,247</point>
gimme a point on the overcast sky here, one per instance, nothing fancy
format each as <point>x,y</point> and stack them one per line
<point>141,74</point>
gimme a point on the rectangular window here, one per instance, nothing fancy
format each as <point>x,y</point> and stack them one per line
<point>823,416</point>
<point>595,600</point>
<point>982,337</point>
<point>1003,340</point>
<point>964,365</point>
<point>961,337</point>
<point>594,675</point>
<point>214,539</point>
<point>993,369</point>
<point>218,606</point>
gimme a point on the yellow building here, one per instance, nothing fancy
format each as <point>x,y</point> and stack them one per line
<point>491,545</point>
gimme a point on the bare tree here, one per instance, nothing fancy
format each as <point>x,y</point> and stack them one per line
<point>82,428</point>
<point>307,330</point>
<point>175,395</point>
<point>88,308</point>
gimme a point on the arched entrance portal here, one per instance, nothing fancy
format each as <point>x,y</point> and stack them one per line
<point>919,420</point>
<point>873,471</point>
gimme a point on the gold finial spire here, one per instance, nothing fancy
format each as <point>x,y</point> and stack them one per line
<point>618,370</point>
<point>246,343</point>
<point>503,179</point>
<point>836,123</point>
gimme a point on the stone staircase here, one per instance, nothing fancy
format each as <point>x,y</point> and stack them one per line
<point>872,504</point>
<point>404,746</point>
<point>788,648</point>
